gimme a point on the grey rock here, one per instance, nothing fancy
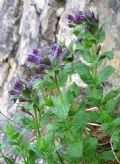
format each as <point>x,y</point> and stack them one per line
<point>3,73</point>
<point>48,23</point>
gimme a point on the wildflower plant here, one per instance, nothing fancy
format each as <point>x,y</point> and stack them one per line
<point>70,124</point>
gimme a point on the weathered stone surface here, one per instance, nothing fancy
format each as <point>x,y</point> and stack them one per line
<point>3,72</point>
<point>48,23</point>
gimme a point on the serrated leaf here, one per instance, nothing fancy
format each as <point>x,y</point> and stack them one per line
<point>112,94</point>
<point>75,150</point>
<point>87,36</point>
<point>94,101</point>
<point>110,105</point>
<point>16,150</point>
<point>108,54</point>
<point>86,55</point>
<point>26,121</point>
<point>107,155</point>
<point>90,147</point>
<point>116,122</point>
<point>100,36</point>
<point>47,115</point>
<point>48,102</point>
<point>64,73</point>
<point>80,120</point>
<point>105,74</point>
<point>27,105</point>
<point>75,89</point>
<point>78,30</point>
<point>84,72</point>
<point>61,106</point>
<point>97,95</point>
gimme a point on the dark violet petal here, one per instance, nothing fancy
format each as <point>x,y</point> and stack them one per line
<point>70,17</point>
<point>35,51</point>
<point>56,50</point>
<point>14,92</point>
<point>33,79</point>
<point>79,13</point>
<point>33,59</point>
<point>18,86</point>
<point>79,18</point>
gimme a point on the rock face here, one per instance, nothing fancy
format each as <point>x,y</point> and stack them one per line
<point>25,23</point>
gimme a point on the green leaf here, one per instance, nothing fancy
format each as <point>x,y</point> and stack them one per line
<point>112,94</point>
<point>79,30</point>
<point>3,145</point>
<point>9,130</point>
<point>87,56</point>
<point>61,106</point>
<point>116,122</point>
<point>26,92</point>
<point>90,92</point>
<point>90,147</point>
<point>110,105</point>
<point>94,101</point>
<point>75,150</point>
<point>100,35</point>
<point>26,121</point>
<point>84,72</point>
<point>108,55</point>
<point>65,71</point>
<point>32,157</point>
<point>48,102</point>
<point>16,150</point>
<point>47,115</point>
<point>87,36</point>
<point>75,89</point>
<point>80,120</point>
<point>105,74</point>
<point>107,155</point>
<point>27,105</point>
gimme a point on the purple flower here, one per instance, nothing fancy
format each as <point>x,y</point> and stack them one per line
<point>70,17</point>
<point>18,86</point>
<point>82,16</point>
<point>33,79</point>
<point>56,49</point>
<point>35,51</point>
<point>16,90</point>
<point>33,59</point>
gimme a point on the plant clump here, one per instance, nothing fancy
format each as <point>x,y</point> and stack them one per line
<point>68,128</point>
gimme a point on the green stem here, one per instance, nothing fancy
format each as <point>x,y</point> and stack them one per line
<point>24,159</point>
<point>60,158</point>
<point>95,70</point>
<point>37,123</point>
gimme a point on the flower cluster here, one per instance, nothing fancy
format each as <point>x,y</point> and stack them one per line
<point>41,58</point>
<point>82,16</point>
